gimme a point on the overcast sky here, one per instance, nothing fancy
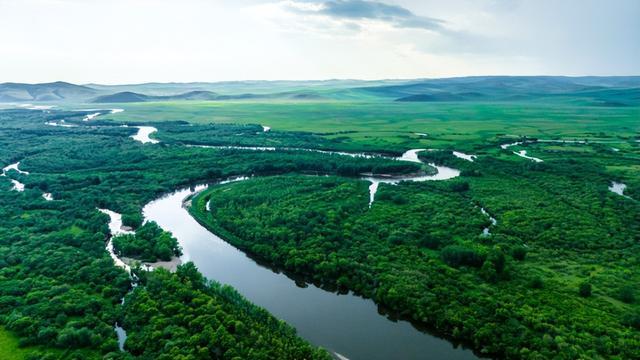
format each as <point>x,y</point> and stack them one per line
<point>132,41</point>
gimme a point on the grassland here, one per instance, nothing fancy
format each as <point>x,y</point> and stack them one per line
<point>393,124</point>
<point>9,349</point>
<point>472,127</point>
<point>561,208</point>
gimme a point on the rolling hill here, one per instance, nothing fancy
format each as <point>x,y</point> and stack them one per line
<point>593,91</point>
<point>129,96</point>
<point>121,97</point>
<point>46,92</point>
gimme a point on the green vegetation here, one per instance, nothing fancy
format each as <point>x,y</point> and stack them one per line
<point>10,347</point>
<point>556,278</point>
<point>58,286</point>
<point>183,315</point>
<point>149,243</point>
<point>585,289</point>
<point>405,252</point>
<point>394,126</point>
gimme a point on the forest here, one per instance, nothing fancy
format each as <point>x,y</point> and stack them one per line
<point>59,288</point>
<point>542,278</point>
<point>149,243</point>
<point>183,315</point>
<point>556,277</point>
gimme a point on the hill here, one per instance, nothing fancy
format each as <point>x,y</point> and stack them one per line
<point>621,91</point>
<point>121,97</point>
<point>592,91</point>
<point>55,91</point>
<point>129,96</point>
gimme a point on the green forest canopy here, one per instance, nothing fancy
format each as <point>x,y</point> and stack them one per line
<point>518,292</point>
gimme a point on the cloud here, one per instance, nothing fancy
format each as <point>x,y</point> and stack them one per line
<point>355,10</point>
<point>387,25</point>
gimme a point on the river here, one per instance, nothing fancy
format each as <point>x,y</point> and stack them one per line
<point>487,231</point>
<point>347,325</point>
<point>442,172</point>
<point>522,153</point>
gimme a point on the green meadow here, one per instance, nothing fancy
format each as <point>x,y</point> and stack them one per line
<point>394,124</point>
<point>555,276</point>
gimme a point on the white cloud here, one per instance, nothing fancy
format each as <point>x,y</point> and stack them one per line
<point>122,41</point>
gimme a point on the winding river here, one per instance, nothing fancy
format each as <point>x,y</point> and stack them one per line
<point>443,173</point>
<point>522,153</point>
<point>347,325</point>
<point>115,228</point>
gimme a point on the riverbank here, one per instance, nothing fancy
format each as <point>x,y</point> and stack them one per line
<point>170,265</point>
<point>347,324</point>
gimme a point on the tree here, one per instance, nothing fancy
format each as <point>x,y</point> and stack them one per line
<point>585,289</point>
<point>626,294</point>
<point>132,220</point>
<point>633,320</point>
<point>519,253</point>
<point>536,283</point>
<point>456,255</point>
<point>460,186</point>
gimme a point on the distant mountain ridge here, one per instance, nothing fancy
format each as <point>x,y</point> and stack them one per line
<point>129,96</point>
<point>55,91</point>
<point>589,90</point>
<point>622,91</point>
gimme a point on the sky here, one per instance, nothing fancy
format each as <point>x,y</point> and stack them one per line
<point>134,41</point>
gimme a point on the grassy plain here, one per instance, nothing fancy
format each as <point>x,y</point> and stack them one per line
<point>464,126</point>
<point>398,124</point>
<point>88,167</point>
<point>9,349</point>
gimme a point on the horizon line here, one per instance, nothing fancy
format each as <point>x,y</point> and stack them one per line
<point>314,80</point>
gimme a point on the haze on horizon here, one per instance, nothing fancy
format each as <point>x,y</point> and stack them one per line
<point>119,41</point>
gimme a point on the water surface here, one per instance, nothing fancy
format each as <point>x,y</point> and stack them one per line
<point>143,134</point>
<point>344,324</point>
<point>618,188</point>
